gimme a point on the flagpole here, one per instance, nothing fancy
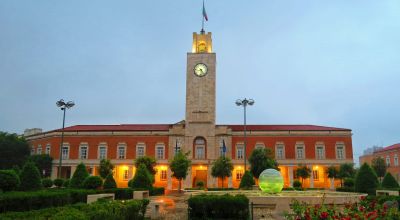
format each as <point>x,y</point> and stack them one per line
<point>202,24</point>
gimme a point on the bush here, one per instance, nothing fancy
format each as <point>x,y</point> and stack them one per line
<point>9,180</point>
<point>220,189</point>
<point>247,181</point>
<point>297,184</point>
<point>366,180</point>
<point>30,177</point>
<point>92,182</point>
<point>66,182</point>
<point>348,182</point>
<point>121,193</point>
<point>79,176</point>
<point>58,182</point>
<point>200,184</point>
<point>47,182</point>
<point>142,178</point>
<point>218,207</point>
<point>389,181</point>
<point>109,182</point>
<point>156,191</point>
<point>345,189</point>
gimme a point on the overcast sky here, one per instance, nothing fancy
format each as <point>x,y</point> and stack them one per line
<point>330,63</point>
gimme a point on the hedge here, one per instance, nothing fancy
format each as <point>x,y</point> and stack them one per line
<point>221,189</point>
<point>117,210</point>
<point>9,180</point>
<point>345,189</point>
<point>218,207</point>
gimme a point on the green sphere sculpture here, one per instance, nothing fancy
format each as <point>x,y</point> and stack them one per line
<point>270,181</point>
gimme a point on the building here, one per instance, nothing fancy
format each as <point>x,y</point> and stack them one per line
<point>315,146</point>
<point>390,154</point>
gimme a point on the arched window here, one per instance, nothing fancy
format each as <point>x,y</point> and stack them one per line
<point>200,148</point>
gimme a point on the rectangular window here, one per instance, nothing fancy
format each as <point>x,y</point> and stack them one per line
<point>320,152</point>
<point>177,149</point>
<point>315,175</point>
<point>39,149</point>
<point>239,151</point>
<point>126,175</point>
<point>102,152</point>
<point>121,152</point>
<point>160,151</point>
<point>83,152</point>
<point>48,148</point>
<point>65,152</point>
<point>200,152</point>
<point>396,160</point>
<point>239,174</point>
<point>32,150</point>
<point>163,175</point>
<point>339,152</point>
<point>300,152</point>
<point>280,151</point>
<point>387,161</point>
<point>140,150</point>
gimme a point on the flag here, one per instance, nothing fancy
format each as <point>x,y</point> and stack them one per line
<point>204,12</point>
<point>223,146</point>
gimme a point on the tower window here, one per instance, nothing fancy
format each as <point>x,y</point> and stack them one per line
<point>200,147</point>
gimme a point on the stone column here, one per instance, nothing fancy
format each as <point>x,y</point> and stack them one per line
<point>54,172</point>
<point>230,184</point>
<point>73,168</point>
<point>169,179</point>
<point>332,183</point>
<point>187,183</point>
<point>290,172</point>
<point>311,177</point>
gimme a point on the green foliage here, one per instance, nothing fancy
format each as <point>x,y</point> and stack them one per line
<point>43,162</point>
<point>379,166</point>
<point>66,182</point>
<point>389,181</point>
<point>9,180</point>
<point>348,182</point>
<point>149,162</point>
<point>200,184</point>
<point>345,189</point>
<point>58,182</point>
<point>332,172</point>
<point>218,207</point>
<point>297,184</point>
<point>261,159</point>
<point>222,168</point>
<point>115,210</point>
<point>30,177</point>
<point>121,193</point>
<point>180,166</point>
<point>109,182</point>
<point>106,168</point>
<point>247,180</point>
<point>92,182</point>
<point>47,182</point>
<point>366,180</point>
<point>156,191</point>
<point>303,172</point>
<point>13,150</point>
<point>346,170</point>
<point>79,176</point>
<point>142,178</point>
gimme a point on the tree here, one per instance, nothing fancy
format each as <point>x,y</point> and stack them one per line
<point>30,177</point>
<point>43,162</point>
<point>142,178</point>
<point>180,166</point>
<point>149,162</point>
<point>247,180</point>
<point>9,180</point>
<point>379,166</point>
<point>106,168</point>
<point>261,159</point>
<point>109,182</point>
<point>79,176</point>
<point>332,173</point>
<point>366,180</point>
<point>222,168</point>
<point>13,150</point>
<point>346,170</point>
<point>303,172</point>
<point>389,181</point>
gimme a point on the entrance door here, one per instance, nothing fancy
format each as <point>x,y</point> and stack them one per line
<point>201,176</point>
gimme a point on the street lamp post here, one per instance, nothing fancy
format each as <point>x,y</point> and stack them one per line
<point>63,105</point>
<point>244,103</point>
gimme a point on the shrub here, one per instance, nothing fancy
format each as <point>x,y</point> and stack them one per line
<point>105,168</point>
<point>47,182</point>
<point>200,184</point>
<point>297,184</point>
<point>30,177</point>
<point>156,191</point>
<point>92,182</point>
<point>66,182</point>
<point>142,178</point>
<point>220,189</point>
<point>345,189</point>
<point>9,180</point>
<point>247,181</point>
<point>366,180</point>
<point>121,193</point>
<point>348,182</point>
<point>389,181</point>
<point>79,176</point>
<point>218,207</point>
<point>109,182</point>
<point>58,182</point>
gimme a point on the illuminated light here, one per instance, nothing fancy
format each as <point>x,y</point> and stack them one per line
<point>201,167</point>
<point>271,181</point>
<point>316,167</point>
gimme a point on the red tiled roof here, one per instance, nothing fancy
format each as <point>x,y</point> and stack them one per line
<point>285,128</point>
<point>122,127</point>
<point>391,147</point>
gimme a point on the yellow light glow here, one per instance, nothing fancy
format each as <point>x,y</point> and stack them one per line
<point>316,167</point>
<point>201,167</point>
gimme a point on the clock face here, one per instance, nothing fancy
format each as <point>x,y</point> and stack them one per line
<point>200,69</point>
